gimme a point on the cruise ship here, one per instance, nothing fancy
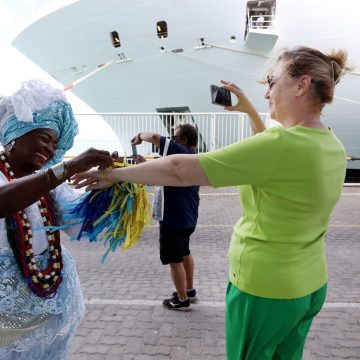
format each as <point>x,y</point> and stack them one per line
<point>160,56</point>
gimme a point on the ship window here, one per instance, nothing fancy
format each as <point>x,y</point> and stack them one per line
<point>115,39</point>
<point>162,30</point>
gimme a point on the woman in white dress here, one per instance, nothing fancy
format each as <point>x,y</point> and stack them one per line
<point>40,297</point>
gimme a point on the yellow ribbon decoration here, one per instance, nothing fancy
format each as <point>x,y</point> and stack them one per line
<point>131,223</point>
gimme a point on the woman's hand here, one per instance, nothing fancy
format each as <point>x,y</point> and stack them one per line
<point>243,103</point>
<point>89,159</point>
<point>95,179</point>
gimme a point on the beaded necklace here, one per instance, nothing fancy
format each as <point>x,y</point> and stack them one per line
<point>45,282</point>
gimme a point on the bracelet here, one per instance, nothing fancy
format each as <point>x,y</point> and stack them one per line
<point>60,171</point>
<point>104,174</point>
<point>47,177</point>
<point>139,136</point>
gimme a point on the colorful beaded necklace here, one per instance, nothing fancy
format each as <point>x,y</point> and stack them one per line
<point>43,283</point>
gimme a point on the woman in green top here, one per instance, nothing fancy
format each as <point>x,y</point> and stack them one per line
<point>289,180</point>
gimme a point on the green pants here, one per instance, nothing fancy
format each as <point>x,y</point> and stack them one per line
<point>261,329</point>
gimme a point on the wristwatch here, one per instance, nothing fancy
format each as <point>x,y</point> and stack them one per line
<point>59,170</point>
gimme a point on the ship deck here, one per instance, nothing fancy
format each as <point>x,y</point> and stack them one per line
<point>125,318</point>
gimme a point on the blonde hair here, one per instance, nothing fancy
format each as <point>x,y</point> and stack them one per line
<point>325,69</point>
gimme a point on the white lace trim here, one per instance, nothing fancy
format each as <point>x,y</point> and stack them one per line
<point>52,339</point>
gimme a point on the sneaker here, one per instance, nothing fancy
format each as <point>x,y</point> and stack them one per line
<point>191,294</point>
<point>175,304</point>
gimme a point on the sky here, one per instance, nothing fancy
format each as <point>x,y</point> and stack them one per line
<point>16,68</point>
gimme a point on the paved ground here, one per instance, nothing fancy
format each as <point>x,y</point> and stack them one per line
<point>125,318</point>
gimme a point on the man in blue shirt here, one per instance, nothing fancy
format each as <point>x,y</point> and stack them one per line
<point>179,221</point>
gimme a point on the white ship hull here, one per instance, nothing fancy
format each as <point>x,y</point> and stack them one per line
<point>153,73</point>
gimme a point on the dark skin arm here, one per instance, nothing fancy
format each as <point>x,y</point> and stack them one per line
<point>22,192</point>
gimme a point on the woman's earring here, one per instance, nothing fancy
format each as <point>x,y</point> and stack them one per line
<point>12,145</point>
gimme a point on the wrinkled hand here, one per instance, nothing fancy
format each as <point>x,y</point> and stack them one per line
<point>139,159</point>
<point>243,104</point>
<point>94,179</point>
<point>89,159</point>
<point>136,140</point>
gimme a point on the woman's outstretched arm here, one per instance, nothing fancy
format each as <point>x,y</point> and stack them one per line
<point>173,170</point>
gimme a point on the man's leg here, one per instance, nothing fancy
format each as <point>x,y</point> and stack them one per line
<point>172,253</point>
<point>189,271</point>
<point>179,278</point>
<point>180,301</point>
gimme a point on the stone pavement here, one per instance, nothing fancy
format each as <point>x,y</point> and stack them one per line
<point>125,318</point>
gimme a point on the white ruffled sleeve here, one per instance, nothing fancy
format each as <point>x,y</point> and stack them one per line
<point>64,193</point>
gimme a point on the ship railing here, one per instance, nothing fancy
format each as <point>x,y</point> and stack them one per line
<point>215,130</point>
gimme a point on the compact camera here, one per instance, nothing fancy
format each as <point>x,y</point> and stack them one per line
<point>220,96</point>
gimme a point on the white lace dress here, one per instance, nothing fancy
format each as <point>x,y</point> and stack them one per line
<point>31,327</point>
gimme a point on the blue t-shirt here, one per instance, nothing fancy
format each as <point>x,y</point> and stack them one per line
<point>180,203</point>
